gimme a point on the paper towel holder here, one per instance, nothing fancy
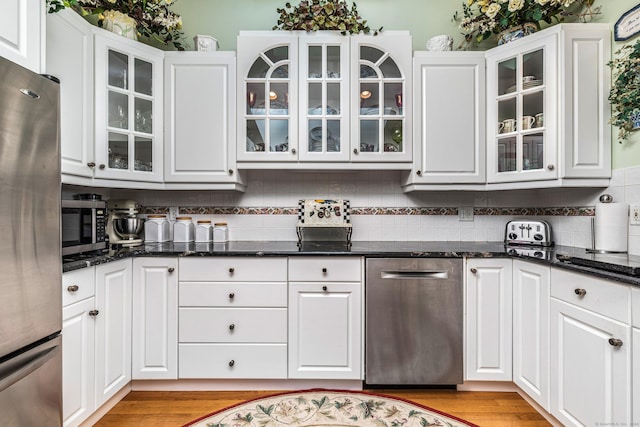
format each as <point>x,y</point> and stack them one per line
<point>605,198</point>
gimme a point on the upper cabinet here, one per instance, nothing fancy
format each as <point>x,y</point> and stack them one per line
<point>323,100</point>
<point>22,31</point>
<point>449,121</point>
<point>200,125</point>
<point>546,109</point>
<point>128,109</point>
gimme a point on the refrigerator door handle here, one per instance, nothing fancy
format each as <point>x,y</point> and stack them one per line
<point>16,369</point>
<point>415,274</point>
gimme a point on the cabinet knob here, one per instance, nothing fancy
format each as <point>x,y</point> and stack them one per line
<point>474,270</point>
<point>293,151</point>
<point>232,295</point>
<point>102,167</point>
<point>551,167</point>
<point>230,171</point>
<point>232,362</point>
<point>73,288</point>
<point>324,270</point>
<point>615,342</point>
<point>91,164</point>
<point>355,151</point>
<point>231,270</point>
<point>580,292</point>
<point>232,327</point>
<point>324,288</point>
<point>419,172</point>
<point>171,269</point>
<point>93,313</point>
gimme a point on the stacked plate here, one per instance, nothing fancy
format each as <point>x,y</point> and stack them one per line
<point>525,85</point>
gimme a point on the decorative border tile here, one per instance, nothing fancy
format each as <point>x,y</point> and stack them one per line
<point>442,211</point>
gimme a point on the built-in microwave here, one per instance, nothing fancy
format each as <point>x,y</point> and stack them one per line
<point>83,226</point>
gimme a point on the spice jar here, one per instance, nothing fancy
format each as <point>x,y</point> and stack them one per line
<point>204,231</point>
<point>183,230</point>
<point>156,229</point>
<point>220,232</point>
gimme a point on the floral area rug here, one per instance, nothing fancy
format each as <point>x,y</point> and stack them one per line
<point>328,408</point>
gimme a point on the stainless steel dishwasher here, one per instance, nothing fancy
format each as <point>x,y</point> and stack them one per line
<point>413,321</point>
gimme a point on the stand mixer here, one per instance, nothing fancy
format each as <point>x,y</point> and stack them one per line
<point>123,225</point>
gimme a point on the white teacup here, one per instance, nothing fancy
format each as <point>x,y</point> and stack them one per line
<point>508,125</point>
<point>539,120</point>
<point>528,122</point>
<point>527,79</point>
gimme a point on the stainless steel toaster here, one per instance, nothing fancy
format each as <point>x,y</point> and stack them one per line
<point>528,232</point>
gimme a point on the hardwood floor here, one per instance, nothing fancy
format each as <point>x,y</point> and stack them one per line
<point>174,409</point>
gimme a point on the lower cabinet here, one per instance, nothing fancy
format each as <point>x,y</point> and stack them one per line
<point>325,318</point>
<point>590,350</point>
<point>531,330</point>
<point>635,364</point>
<point>113,328</point>
<point>154,353</point>
<point>488,321</point>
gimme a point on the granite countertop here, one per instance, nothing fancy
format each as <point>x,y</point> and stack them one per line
<point>617,267</point>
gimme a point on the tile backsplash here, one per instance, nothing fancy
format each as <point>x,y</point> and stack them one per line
<point>381,211</point>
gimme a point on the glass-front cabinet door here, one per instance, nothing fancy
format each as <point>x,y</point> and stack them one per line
<point>381,129</point>
<point>128,110</point>
<point>324,96</point>
<point>267,66</point>
<point>521,93</point>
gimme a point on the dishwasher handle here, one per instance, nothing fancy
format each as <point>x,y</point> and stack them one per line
<point>415,274</point>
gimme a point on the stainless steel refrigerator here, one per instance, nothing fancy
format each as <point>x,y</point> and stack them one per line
<point>30,262</point>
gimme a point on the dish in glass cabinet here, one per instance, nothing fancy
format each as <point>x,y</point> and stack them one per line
<point>367,72</point>
<point>525,85</point>
<point>330,111</point>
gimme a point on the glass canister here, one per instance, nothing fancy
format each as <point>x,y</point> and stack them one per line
<point>204,231</point>
<point>156,229</point>
<point>220,232</point>
<point>183,230</point>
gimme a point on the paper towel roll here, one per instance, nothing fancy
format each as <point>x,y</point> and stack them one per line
<point>611,227</point>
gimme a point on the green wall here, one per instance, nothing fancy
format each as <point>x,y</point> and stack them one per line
<point>223,19</point>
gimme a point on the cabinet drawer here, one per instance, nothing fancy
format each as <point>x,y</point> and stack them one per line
<point>232,294</point>
<point>602,296</point>
<point>316,269</point>
<point>249,325</point>
<point>232,361</point>
<point>78,285</point>
<point>245,269</point>
<point>635,309</point>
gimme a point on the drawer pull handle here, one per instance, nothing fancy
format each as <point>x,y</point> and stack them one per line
<point>580,292</point>
<point>615,342</point>
<point>232,295</point>
<point>73,288</point>
<point>232,327</point>
<point>171,269</point>
<point>474,270</point>
<point>93,313</point>
<point>231,270</point>
<point>232,362</point>
<point>324,288</point>
<point>324,270</point>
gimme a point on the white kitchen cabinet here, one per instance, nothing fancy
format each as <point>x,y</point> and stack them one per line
<point>243,303</point>
<point>78,346</point>
<point>69,56</point>
<point>531,292</point>
<point>635,364</point>
<point>449,120</point>
<point>325,318</point>
<point>154,353</point>
<point>303,95</point>
<point>22,26</point>
<point>128,109</point>
<point>590,350</point>
<point>200,119</point>
<point>113,328</point>
<point>547,124</point>
<point>488,320</point>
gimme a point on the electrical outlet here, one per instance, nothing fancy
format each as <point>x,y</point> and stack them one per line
<point>465,213</point>
<point>173,213</point>
<point>634,215</point>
